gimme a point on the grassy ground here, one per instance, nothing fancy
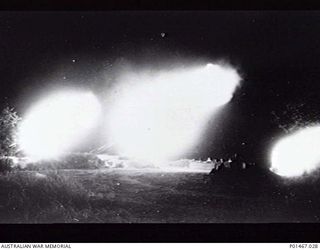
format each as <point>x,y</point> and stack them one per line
<point>120,195</point>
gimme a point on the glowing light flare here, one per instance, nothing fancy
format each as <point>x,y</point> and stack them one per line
<point>297,153</point>
<point>57,123</point>
<point>159,116</point>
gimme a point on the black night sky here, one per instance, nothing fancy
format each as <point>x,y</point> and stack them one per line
<point>276,53</point>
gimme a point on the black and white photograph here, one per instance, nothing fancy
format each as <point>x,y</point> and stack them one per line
<point>159,117</point>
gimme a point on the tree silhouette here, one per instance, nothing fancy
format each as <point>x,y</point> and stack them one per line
<point>8,132</point>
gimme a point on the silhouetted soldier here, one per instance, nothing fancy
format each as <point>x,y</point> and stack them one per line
<point>238,162</point>
<point>217,164</point>
<point>227,164</point>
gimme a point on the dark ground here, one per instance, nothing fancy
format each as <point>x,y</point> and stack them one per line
<point>121,195</point>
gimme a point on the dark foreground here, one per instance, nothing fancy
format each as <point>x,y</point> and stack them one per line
<point>132,196</point>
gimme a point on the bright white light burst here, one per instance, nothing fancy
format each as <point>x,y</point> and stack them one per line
<point>57,123</point>
<point>160,115</point>
<point>297,153</point>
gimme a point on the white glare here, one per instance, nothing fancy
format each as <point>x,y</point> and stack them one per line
<point>160,115</point>
<point>57,123</point>
<point>297,154</point>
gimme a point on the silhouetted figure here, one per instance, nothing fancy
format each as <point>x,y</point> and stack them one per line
<point>217,164</point>
<point>227,163</point>
<point>220,164</point>
<point>238,162</point>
